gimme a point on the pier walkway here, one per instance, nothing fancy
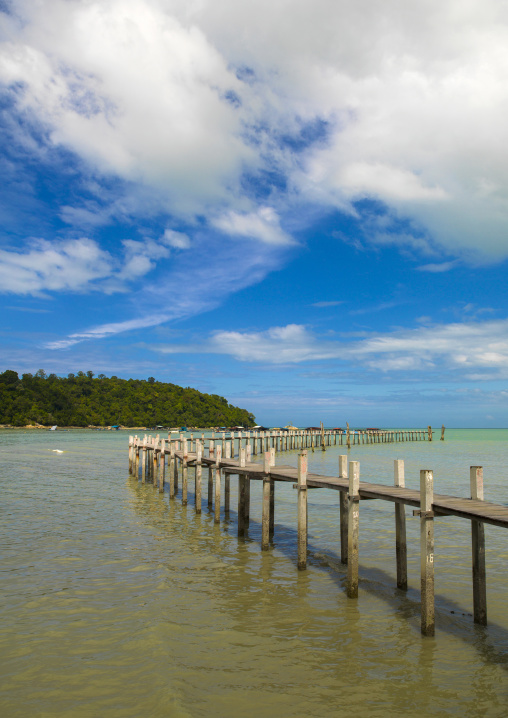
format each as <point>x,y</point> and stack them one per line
<point>150,456</point>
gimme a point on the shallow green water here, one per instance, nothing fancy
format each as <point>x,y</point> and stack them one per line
<point>116,602</point>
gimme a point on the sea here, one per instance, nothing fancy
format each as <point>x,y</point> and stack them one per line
<point>117,602</point>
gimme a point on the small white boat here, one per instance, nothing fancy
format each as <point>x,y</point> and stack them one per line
<point>53,428</point>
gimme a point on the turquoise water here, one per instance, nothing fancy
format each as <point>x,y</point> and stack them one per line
<point>116,601</point>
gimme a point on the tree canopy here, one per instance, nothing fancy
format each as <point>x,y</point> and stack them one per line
<point>82,400</point>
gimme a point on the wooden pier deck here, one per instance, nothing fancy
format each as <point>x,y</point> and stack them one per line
<point>151,455</point>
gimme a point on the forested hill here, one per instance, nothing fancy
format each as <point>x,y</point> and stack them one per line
<point>81,400</point>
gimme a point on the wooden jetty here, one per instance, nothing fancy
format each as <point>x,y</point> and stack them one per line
<point>149,456</point>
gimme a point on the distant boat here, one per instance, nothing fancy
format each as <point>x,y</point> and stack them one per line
<point>53,428</point>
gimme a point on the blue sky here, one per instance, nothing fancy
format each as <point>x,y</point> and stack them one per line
<point>300,206</point>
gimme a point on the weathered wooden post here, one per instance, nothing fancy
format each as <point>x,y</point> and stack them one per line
<point>323,447</point>
<point>348,436</point>
<point>241,493</point>
<point>272,497</point>
<point>227,492</point>
<point>265,515</point>
<point>227,480</point>
<point>353,522</point>
<point>177,448</point>
<point>143,462</point>
<point>199,474</point>
<point>400,528</point>
<point>429,432</point>
<point>154,462</point>
<point>427,550</point>
<point>478,549</point>
<point>302,510</point>
<point>442,432</point>
<point>162,466</point>
<point>137,459</point>
<point>218,457</point>
<point>343,511</point>
<point>211,453</point>
<point>172,462</point>
<point>185,471</point>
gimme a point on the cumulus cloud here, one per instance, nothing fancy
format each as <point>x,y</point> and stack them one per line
<point>230,119</point>
<point>76,265</point>
<point>131,90</point>
<point>59,266</point>
<point>186,101</point>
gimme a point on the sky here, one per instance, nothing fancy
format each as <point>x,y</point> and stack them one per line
<point>301,206</point>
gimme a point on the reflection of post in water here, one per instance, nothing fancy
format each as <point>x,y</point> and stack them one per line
<point>425,677</point>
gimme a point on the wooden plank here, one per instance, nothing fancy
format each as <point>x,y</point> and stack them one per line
<point>478,551</point>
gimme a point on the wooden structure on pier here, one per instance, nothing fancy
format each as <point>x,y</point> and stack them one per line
<point>150,457</point>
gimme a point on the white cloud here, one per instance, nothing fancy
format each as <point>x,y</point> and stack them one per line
<point>73,265</point>
<point>460,347</point>
<point>178,240</point>
<point>129,88</point>
<point>187,287</point>
<point>414,97</point>
<point>438,267</point>
<point>191,106</point>
<point>323,305</point>
<point>76,265</point>
<point>263,225</point>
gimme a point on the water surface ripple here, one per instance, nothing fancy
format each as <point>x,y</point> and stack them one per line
<point>116,602</point>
